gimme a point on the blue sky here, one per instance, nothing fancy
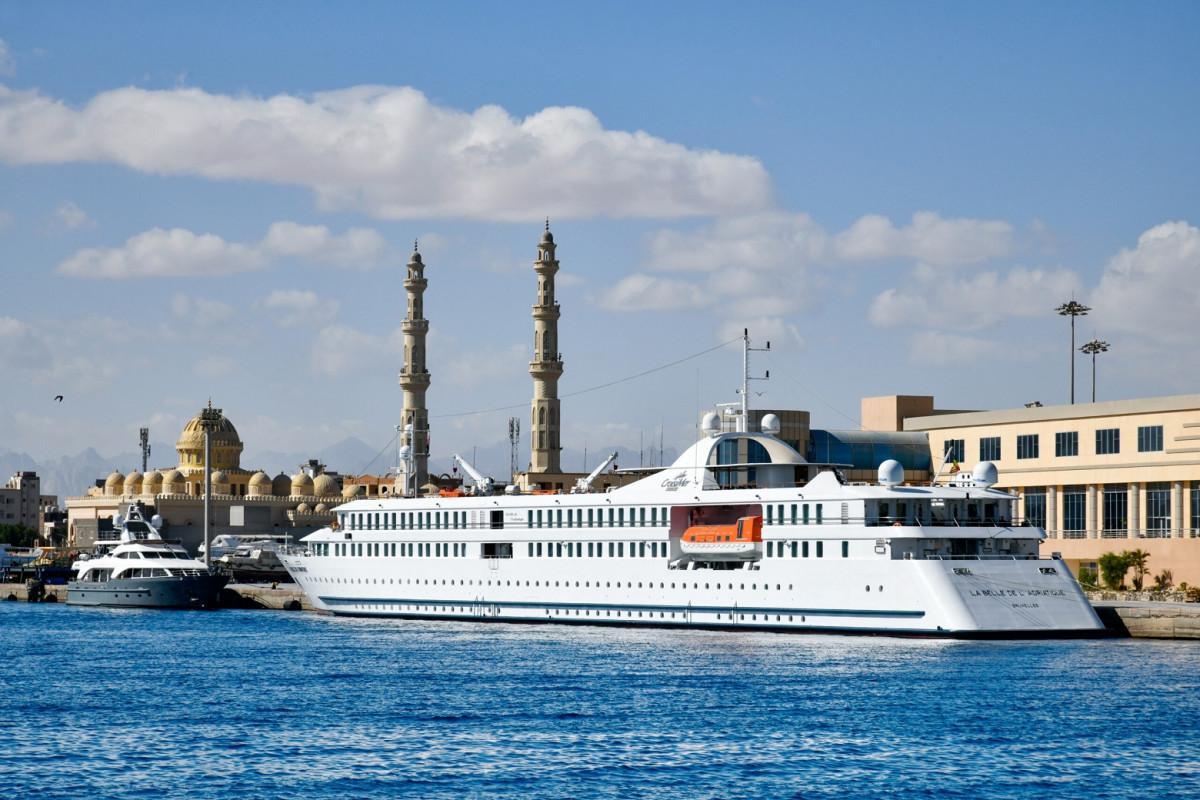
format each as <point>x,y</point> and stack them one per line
<point>218,200</point>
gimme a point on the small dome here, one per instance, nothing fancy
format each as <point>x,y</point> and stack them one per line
<point>320,508</point>
<point>219,478</point>
<point>133,483</point>
<point>548,237</point>
<point>260,478</point>
<point>302,485</point>
<point>303,509</point>
<point>350,490</point>
<point>152,483</point>
<point>173,482</point>
<point>114,483</point>
<point>281,485</point>
<point>324,485</point>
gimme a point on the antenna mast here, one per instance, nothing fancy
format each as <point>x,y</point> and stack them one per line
<point>144,435</point>
<point>514,437</point>
<point>744,425</point>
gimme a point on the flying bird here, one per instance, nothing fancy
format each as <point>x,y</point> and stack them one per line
<point>58,398</point>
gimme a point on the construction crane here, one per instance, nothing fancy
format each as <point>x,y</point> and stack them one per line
<point>584,485</point>
<point>483,485</point>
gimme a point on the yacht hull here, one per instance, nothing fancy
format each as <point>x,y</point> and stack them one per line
<point>193,591</point>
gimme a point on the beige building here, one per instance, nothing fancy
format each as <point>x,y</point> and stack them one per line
<point>243,500</point>
<point>1100,477</point>
<point>21,501</point>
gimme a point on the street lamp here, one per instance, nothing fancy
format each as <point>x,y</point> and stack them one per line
<point>1091,348</point>
<point>210,420</point>
<point>1072,310</point>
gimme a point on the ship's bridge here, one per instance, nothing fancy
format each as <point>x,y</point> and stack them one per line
<point>742,459</point>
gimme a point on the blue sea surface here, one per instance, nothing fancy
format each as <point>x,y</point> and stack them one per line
<point>258,704</point>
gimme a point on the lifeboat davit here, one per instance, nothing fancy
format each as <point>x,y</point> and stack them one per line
<point>741,541</point>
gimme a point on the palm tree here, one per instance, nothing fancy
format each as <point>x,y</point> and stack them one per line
<point>1137,562</point>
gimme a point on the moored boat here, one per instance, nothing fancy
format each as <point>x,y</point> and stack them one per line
<point>140,569</point>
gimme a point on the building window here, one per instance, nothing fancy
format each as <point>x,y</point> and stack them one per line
<point>1150,439</point>
<point>1108,441</point>
<point>1195,509</point>
<point>989,448</point>
<point>1035,506</point>
<point>1066,444</point>
<point>1116,511</point>
<point>1074,512</point>
<point>1158,510</point>
<point>955,449</point>
<point>1027,446</point>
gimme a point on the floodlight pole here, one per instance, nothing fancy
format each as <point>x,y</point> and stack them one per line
<point>1092,348</point>
<point>1072,309</point>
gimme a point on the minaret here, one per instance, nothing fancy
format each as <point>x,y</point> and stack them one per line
<point>547,366</point>
<point>414,377</point>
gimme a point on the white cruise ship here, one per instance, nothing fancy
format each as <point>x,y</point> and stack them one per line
<point>770,543</point>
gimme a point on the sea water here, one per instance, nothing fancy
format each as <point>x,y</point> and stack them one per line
<point>257,704</point>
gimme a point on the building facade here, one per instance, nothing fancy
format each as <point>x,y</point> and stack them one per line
<point>1099,477</point>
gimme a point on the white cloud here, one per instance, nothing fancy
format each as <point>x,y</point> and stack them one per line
<point>200,311</point>
<point>942,349</point>
<point>340,350</point>
<point>181,253</point>
<point>485,367</point>
<point>930,298</point>
<point>929,238</point>
<point>73,217</point>
<point>757,241</point>
<point>389,152</point>
<point>781,335</point>
<point>290,308</point>
<point>648,293</point>
<point>21,349</point>
<point>1152,290</point>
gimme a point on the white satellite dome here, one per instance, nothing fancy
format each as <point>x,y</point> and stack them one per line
<point>891,473</point>
<point>711,424</point>
<point>771,425</point>
<point>985,474</point>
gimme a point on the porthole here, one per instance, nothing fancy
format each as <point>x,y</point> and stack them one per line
<point>868,587</point>
<point>881,588</point>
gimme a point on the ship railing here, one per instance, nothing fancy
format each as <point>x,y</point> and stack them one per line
<point>982,557</point>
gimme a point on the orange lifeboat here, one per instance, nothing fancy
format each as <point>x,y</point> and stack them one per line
<point>741,541</point>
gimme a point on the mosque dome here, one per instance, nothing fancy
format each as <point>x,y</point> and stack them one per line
<point>219,478</point>
<point>303,508</point>
<point>259,484</point>
<point>548,237</point>
<point>152,483</point>
<point>320,508</point>
<point>325,485</point>
<point>133,483</point>
<point>226,444</point>
<point>173,482</point>
<point>114,483</point>
<point>302,485</point>
<point>281,486</point>
<point>350,490</point>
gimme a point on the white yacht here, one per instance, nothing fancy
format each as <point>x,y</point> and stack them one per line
<point>739,533</point>
<point>141,569</point>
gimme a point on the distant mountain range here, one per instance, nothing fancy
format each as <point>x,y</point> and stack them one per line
<point>71,476</point>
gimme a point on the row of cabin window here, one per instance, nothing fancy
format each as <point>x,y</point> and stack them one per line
<point>595,518</point>
<point>799,514</point>
<point>389,549</point>
<point>800,549</point>
<point>596,549</point>
<point>404,520</point>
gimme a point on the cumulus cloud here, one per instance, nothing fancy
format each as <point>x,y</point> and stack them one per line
<point>942,349</point>
<point>930,239</point>
<point>181,253</point>
<point>649,293</point>
<point>290,308</point>
<point>340,350</point>
<point>73,217</point>
<point>1151,290</point>
<point>21,349</point>
<point>200,311</point>
<point>389,152</point>
<point>930,298</point>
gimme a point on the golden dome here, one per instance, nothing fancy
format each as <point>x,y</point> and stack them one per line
<point>260,478</point>
<point>114,483</point>
<point>133,483</point>
<point>152,483</point>
<point>324,485</point>
<point>351,490</point>
<point>320,508</point>
<point>173,482</point>
<point>302,485</point>
<point>219,478</point>
<point>226,444</point>
<point>303,509</point>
